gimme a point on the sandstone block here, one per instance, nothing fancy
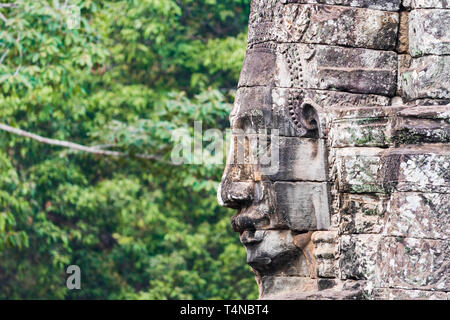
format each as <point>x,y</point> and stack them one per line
<point>279,158</point>
<point>371,130</point>
<point>260,66</point>
<point>345,69</point>
<point>399,294</point>
<point>304,205</point>
<point>252,111</point>
<point>326,268</point>
<point>427,77</point>
<point>362,214</point>
<point>321,68</point>
<point>429,32</point>
<point>275,286</point>
<point>403,33</point>
<point>261,109</point>
<point>422,124</point>
<point>301,159</point>
<point>358,256</point>
<point>360,170</point>
<point>287,100</point>
<point>442,4</point>
<point>330,25</point>
<point>389,5</point>
<point>408,263</point>
<point>421,170</point>
<point>404,63</point>
<point>419,215</point>
<point>326,252</point>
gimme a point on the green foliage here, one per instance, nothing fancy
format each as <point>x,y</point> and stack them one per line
<point>126,79</point>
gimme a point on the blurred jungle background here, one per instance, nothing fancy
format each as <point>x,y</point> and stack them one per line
<point>130,74</point>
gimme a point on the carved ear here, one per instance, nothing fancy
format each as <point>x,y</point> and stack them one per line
<point>306,118</point>
<point>309,119</point>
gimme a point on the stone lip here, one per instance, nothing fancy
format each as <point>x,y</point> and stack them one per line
<point>250,237</point>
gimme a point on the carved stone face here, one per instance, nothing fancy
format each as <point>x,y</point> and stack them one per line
<point>285,92</point>
<point>276,174</point>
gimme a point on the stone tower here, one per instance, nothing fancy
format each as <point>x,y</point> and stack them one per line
<point>351,98</point>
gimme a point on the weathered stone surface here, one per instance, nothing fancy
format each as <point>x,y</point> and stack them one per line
<point>275,286</point>
<point>363,214</point>
<point>304,205</point>
<point>331,25</point>
<point>360,170</point>
<point>257,157</point>
<point>428,102</point>
<point>326,252</point>
<point>264,11</point>
<point>404,63</point>
<point>320,67</point>
<point>422,170</point>
<point>287,100</point>
<point>366,112</point>
<point>260,66</point>
<point>419,215</point>
<point>342,69</point>
<point>427,77</point>
<point>306,246</point>
<point>403,33</point>
<point>327,294</point>
<point>429,32</point>
<point>301,159</point>
<point>408,263</point>
<point>274,251</point>
<point>371,130</point>
<point>406,4</point>
<point>239,167</point>
<point>358,256</point>
<point>262,109</point>
<point>391,5</point>
<point>441,112</point>
<point>422,124</point>
<point>443,4</point>
<point>252,111</point>
<point>399,294</point>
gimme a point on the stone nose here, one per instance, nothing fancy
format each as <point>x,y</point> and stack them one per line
<point>235,194</point>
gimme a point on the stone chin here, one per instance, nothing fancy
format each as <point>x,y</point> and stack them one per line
<point>269,251</point>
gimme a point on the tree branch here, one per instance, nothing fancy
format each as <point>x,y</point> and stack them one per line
<point>75,146</point>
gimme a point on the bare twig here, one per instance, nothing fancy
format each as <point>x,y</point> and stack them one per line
<point>20,54</point>
<point>3,18</point>
<point>75,146</point>
<point>3,56</point>
<point>8,5</point>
